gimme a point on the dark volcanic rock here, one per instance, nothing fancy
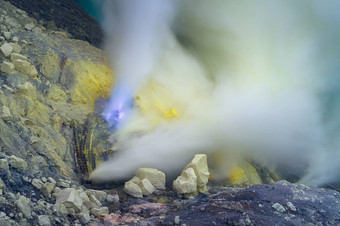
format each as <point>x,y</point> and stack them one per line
<point>280,203</point>
<point>65,14</point>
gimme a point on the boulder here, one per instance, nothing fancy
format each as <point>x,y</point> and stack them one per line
<point>2,184</point>
<point>29,26</point>
<point>156,177</point>
<point>146,186</point>
<point>17,163</point>
<point>56,94</point>
<point>99,211</point>
<point>44,220</point>
<point>37,183</point>
<point>69,197</point>
<point>5,113</point>
<point>17,56</point>
<point>7,67</point>
<point>47,189</point>
<point>16,47</point>
<point>7,35</point>
<point>200,165</point>
<point>95,202</point>
<point>4,164</point>
<point>23,204</point>
<point>133,189</point>
<point>22,66</point>
<point>27,89</point>
<point>186,183</point>
<point>85,199</point>
<point>33,73</point>
<point>112,199</point>
<point>6,49</point>
<point>100,195</point>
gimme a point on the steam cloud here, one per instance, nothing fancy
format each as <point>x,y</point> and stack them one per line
<point>254,78</point>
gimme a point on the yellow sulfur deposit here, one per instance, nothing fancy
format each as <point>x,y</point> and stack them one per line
<point>92,80</point>
<point>156,101</point>
<point>244,175</point>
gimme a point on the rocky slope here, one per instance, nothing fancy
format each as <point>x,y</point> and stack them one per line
<point>49,84</point>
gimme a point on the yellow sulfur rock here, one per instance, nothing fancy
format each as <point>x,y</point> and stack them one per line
<point>244,175</point>
<point>154,100</point>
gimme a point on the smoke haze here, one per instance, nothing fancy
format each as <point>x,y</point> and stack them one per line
<point>249,78</point>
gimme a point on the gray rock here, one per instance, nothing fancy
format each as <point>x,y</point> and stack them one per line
<point>100,195</point>
<point>291,206</point>
<point>2,184</point>
<point>63,184</point>
<point>70,198</point>
<point>16,47</point>
<point>22,66</point>
<point>133,189</point>
<point>29,26</point>
<point>7,35</point>
<point>15,39</point>
<point>43,179</point>
<point>18,56</point>
<point>44,220</point>
<point>7,67</point>
<point>2,38</point>
<point>84,218</point>
<point>47,189</point>
<point>23,204</point>
<point>85,199</point>
<point>6,49</point>
<point>278,207</point>
<point>37,183</point>
<point>5,114</point>
<point>50,179</point>
<point>4,164</point>
<point>95,201</point>
<point>112,199</point>
<point>177,219</point>
<point>17,163</point>
<point>56,191</point>
<point>6,221</point>
<point>99,211</point>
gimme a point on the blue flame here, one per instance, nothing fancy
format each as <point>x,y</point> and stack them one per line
<point>119,107</point>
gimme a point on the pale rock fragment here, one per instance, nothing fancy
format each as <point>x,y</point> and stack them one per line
<point>22,66</point>
<point>7,35</point>
<point>186,183</point>
<point>18,56</point>
<point>33,72</point>
<point>16,47</point>
<point>4,164</point>
<point>69,197</point>
<point>29,26</point>
<point>7,67</point>
<point>6,49</point>
<point>200,165</point>
<point>156,177</point>
<point>146,186</point>
<point>27,89</point>
<point>99,211</point>
<point>100,195</point>
<point>133,189</point>
<point>17,163</point>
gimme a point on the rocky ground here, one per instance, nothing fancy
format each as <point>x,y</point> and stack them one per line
<point>49,84</point>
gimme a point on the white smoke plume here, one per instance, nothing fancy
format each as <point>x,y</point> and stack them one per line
<point>255,78</point>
